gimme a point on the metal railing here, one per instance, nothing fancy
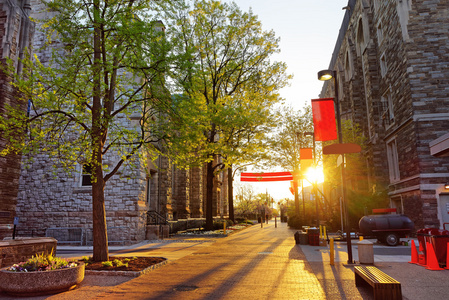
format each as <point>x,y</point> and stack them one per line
<point>155,218</point>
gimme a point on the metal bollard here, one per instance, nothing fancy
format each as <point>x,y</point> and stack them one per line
<point>332,255</point>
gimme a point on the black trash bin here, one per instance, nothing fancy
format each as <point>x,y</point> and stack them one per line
<point>297,237</point>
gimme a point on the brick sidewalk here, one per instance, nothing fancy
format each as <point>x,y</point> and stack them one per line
<point>256,263</point>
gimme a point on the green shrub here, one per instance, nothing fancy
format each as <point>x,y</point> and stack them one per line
<point>295,222</point>
<point>243,221</point>
<point>107,264</point>
<point>119,263</point>
<point>42,262</point>
<point>218,223</point>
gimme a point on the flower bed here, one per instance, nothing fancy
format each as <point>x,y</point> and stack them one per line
<point>215,233</point>
<point>44,274</point>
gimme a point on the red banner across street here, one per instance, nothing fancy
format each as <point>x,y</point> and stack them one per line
<point>272,176</point>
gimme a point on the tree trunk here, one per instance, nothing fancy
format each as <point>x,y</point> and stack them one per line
<point>209,195</point>
<point>99,233</point>
<point>296,198</point>
<point>98,136</point>
<point>230,195</point>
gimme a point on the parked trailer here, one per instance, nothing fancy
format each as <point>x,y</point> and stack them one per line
<point>387,229</point>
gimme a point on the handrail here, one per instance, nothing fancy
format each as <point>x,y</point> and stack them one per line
<point>155,218</point>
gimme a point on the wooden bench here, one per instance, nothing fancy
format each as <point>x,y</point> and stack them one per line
<point>384,286</point>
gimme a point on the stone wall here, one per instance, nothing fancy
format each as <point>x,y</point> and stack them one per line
<point>19,250</point>
<point>49,200</point>
<point>392,61</point>
<point>16,32</point>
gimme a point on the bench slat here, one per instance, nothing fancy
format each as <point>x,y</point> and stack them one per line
<point>384,286</point>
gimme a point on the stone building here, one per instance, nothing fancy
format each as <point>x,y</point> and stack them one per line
<point>392,61</point>
<point>57,203</point>
<point>16,31</point>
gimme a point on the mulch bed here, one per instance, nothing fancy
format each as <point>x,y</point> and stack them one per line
<point>135,264</point>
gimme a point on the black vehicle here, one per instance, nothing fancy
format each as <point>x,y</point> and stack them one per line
<point>387,229</point>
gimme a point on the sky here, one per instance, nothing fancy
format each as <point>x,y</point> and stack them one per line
<point>308,32</point>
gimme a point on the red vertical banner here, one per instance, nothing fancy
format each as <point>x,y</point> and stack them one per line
<point>305,153</point>
<point>324,119</point>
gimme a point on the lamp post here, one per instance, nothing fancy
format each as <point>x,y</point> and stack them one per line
<point>325,75</point>
<point>311,133</point>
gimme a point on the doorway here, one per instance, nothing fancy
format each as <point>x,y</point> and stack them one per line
<point>444,208</point>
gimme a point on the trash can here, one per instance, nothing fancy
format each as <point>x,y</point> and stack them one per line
<point>314,236</point>
<point>424,237</point>
<point>303,238</point>
<point>366,252</point>
<point>439,239</point>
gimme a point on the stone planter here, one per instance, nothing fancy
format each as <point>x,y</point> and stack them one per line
<point>40,283</point>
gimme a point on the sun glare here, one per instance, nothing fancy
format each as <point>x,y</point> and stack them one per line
<point>314,175</point>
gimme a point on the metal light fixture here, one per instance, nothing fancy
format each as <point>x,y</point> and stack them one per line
<point>446,186</point>
<point>325,75</point>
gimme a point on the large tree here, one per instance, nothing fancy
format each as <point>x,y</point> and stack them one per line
<point>289,139</point>
<point>98,95</point>
<point>225,73</point>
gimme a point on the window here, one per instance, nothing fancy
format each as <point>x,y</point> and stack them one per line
<point>147,198</point>
<point>360,38</point>
<point>86,176</point>
<point>393,161</point>
<point>383,65</point>
<point>380,33</point>
<point>387,104</point>
<point>348,67</point>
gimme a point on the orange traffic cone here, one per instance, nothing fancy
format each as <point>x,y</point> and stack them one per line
<point>421,256</point>
<point>414,254</point>
<point>432,262</point>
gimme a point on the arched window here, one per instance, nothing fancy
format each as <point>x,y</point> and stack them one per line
<point>348,66</point>
<point>360,38</point>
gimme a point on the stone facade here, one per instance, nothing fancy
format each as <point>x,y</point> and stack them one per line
<point>392,59</point>
<point>16,31</point>
<point>51,199</point>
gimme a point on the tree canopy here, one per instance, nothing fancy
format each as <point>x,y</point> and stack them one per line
<point>228,85</point>
<point>95,89</point>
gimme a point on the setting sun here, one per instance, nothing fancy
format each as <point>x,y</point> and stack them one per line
<point>314,174</point>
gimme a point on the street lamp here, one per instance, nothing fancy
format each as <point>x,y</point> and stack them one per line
<point>325,75</point>
<point>314,184</point>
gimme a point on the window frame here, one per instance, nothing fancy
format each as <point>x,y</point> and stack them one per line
<point>86,175</point>
<point>393,160</point>
<point>383,65</point>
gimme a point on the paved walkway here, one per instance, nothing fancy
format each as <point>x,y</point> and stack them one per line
<point>256,263</point>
